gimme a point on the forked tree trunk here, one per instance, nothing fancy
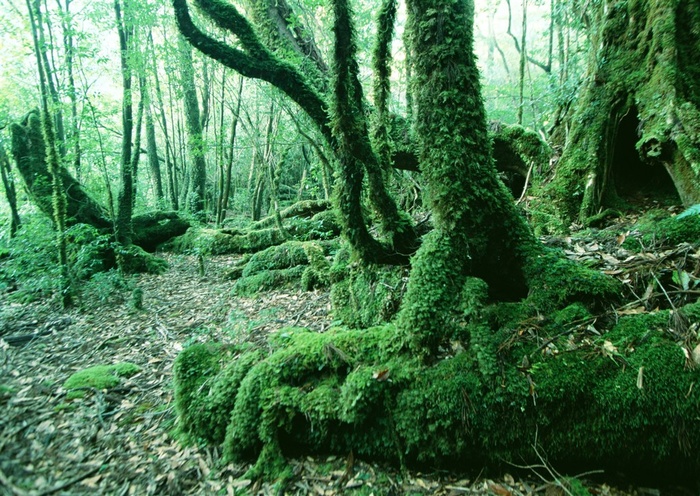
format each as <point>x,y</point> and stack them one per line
<point>640,110</point>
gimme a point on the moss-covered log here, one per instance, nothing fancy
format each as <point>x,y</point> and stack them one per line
<point>29,152</point>
<point>155,228</point>
<point>638,117</point>
<point>149,230</point>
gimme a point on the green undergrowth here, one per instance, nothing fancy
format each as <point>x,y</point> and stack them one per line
<point>98,377</point>
<point>626,399</point>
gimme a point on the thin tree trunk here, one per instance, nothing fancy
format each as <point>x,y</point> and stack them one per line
<point>125,200</point>
<point>136,154</point>
<point>523,63</point>
<point>74,137</point>
<point>52,154</point>
<point>229,165</point>
<point>10,191</point>
<point>169,152</point>
<point>151,146</point>
<point>195,139</point>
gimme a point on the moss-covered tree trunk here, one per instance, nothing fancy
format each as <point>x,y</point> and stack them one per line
<point>195,141</point>
<point>478,231</point>
<point>640,109</point>
<point>347,133</point>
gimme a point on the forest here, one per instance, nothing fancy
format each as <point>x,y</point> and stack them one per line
<point>350,247</point>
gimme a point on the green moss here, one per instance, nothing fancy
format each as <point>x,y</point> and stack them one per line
<point>134,260</point>
<point>268,280</point>
<point>556,282</point>
<point>282,256</point>
<point>660,232</point>
<point>367,295</point>
<point>318,273</point>
<point>98,377</point>
<point>207,378</point>
<point>354,390</point>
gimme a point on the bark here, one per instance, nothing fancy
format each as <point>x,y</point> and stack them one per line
<point>640,108</point>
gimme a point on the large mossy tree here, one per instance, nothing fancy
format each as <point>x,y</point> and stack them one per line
<point>638,113</point>
<point>454,378</point>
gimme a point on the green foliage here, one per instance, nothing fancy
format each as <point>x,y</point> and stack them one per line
<point>32,261</point>
<point>98,377</point>
<point>32,264</point>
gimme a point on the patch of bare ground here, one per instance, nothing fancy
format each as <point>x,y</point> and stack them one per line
<point>118,441</point>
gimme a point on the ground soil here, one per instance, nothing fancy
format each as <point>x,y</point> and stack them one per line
<point>119,441</point>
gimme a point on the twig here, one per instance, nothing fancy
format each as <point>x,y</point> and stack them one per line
<point>527,181</point>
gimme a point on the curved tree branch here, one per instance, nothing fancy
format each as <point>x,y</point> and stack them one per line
<point>255,60</point>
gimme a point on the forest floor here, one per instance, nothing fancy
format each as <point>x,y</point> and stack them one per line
<point>119,441</point>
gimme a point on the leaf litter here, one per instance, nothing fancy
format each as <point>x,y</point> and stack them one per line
<point>118,441</point>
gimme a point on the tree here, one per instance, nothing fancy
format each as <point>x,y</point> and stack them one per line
<point>193,121</point>
<point>352,146</point>
<point>58,197</point>
<point>122,226</point>
<point>639,110</point>
<point>395,391</point>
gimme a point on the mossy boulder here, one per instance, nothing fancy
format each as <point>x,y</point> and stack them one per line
<point>98,377</point>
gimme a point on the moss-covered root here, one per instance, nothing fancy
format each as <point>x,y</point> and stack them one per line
<point>624,401</point>
<point>556,281</point>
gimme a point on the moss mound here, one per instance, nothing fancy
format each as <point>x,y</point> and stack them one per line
<point>98,377</point>
<point>622,400</point>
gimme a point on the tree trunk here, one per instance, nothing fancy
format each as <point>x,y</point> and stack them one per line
<point>226,189</point>
<point>58,193</point>
<point>151,146</point>
<point>10,192</point>
<point>636,123</point>
<point>195,141</point>
<point>123,227</point>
